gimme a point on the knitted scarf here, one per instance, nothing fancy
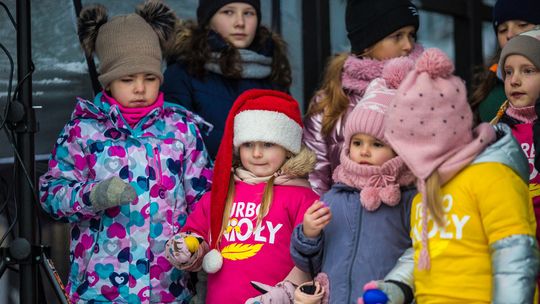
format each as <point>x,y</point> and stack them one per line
<point>378,184</point>
<point>254,65</point>
<point>359,72</point>
<point>134,115</point>
<point>523,114</point>
<point>241,174</point>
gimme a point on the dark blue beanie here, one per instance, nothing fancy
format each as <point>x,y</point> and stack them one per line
<point>207,9</point>
<point>525,10</point>
<point>369,21</point>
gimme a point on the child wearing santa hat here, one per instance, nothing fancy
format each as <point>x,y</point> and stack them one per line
<point>472,222</point>
<point>260,195</point>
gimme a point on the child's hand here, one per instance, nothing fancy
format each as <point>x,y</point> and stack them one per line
<point>185,251</point>
<point>392,292</point>
<point>317,216</point>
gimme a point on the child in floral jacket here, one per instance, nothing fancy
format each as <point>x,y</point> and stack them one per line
<point>127,168</point>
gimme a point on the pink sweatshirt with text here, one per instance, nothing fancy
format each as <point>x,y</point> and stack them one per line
<point>524,135</point>
<point>252,255</point>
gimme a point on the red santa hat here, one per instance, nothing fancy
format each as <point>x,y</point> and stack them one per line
<point>256,115</point>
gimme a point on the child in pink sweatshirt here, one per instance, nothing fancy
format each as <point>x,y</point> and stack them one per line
<point>260,195</point>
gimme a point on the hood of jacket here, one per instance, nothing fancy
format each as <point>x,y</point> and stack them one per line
<point>180,46</point>
<point>507,151</point>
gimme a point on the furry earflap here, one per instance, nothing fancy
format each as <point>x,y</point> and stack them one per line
<point>160,17</point>
<point>90,20</point>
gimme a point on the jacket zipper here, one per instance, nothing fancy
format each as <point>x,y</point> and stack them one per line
<point>357,237</point>
<point>158,165</point>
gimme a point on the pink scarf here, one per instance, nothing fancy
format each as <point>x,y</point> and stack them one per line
<point>134,115</point>
<point>359,72</point>
<point>378,184</point>
<point>524,114</point>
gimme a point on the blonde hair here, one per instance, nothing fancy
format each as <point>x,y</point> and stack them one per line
<point>433,199</point>
<point>268,196</point>
<point>333,101</point>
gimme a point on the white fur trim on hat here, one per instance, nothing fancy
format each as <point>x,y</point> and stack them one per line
<point>267,126</point>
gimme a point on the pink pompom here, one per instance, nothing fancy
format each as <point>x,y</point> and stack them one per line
<point>435,62</point>
<point>395,71</point>
<point>390,194</point>
<point>322,278</point>
<point>371,285</point>
<point>369,197</point>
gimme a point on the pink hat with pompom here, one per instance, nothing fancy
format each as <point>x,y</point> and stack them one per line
<point>429,119</point>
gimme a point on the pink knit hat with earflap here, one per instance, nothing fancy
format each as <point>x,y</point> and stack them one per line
<point>378,184</point>
<point>429,124</point>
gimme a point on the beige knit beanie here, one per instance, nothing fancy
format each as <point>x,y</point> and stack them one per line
<point>127,44</point>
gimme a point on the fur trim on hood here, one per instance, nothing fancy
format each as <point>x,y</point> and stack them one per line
<point>301,164</point>
<point>180,47</point>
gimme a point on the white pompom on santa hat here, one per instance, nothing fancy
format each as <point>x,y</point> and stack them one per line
<point>256,115</point>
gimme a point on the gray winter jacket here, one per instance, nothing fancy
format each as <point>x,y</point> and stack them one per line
<point>357,246</point>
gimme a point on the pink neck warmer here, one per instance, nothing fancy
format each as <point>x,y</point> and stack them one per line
<point>378,184</point>
<point>134,115</point>
<point>359,72</point>
<point>524,114</point>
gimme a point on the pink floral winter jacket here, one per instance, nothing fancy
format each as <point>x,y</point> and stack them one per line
<point>117,255</point>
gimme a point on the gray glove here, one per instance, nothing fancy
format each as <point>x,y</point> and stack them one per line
<point>393,292</point>
<point>110,193</point>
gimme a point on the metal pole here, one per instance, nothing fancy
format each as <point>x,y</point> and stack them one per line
<point>25,148</point>
<point>92,70</point>
<point>276,16</point>
<point>316,43</point>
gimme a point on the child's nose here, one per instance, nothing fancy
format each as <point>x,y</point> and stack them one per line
<point>511,32</point>
<point>364,150</point>
<point>408,44</point>
<point>257,151</point>
<point>515,79</point>
<point>139,86</point>
<point>239,20</point>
